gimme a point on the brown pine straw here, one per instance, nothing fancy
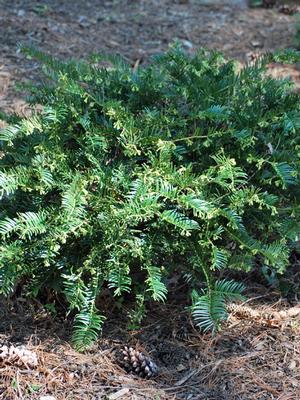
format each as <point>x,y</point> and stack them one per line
<point>247,360</point>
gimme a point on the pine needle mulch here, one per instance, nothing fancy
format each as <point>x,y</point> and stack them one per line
<point>249,359</point>
<point>136,29</point>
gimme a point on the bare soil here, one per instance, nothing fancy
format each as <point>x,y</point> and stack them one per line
<point>249,359</point>
<point>136,29</point>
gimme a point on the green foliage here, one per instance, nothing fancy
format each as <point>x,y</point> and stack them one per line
<point>137,314</point>
<point>126,173</point>
<point>209,308</point>
<point>255,3</point>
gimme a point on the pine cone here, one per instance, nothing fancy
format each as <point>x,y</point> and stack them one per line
<point>18,356</point>
<point>243,312</point>
<point>138,363</point>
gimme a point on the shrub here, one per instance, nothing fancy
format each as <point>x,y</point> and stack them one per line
<point>127,174</point>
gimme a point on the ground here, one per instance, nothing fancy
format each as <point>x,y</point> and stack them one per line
<point>251,358</point>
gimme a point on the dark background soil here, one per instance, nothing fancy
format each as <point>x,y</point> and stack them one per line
<point>137,29</point>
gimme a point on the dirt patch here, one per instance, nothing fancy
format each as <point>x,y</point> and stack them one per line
<point>137,29</point>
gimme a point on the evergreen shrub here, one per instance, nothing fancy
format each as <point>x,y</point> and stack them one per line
<point>125,175</point>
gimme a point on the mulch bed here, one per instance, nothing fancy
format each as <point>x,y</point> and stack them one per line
<point>248,360</point>
<point>137,29</point>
